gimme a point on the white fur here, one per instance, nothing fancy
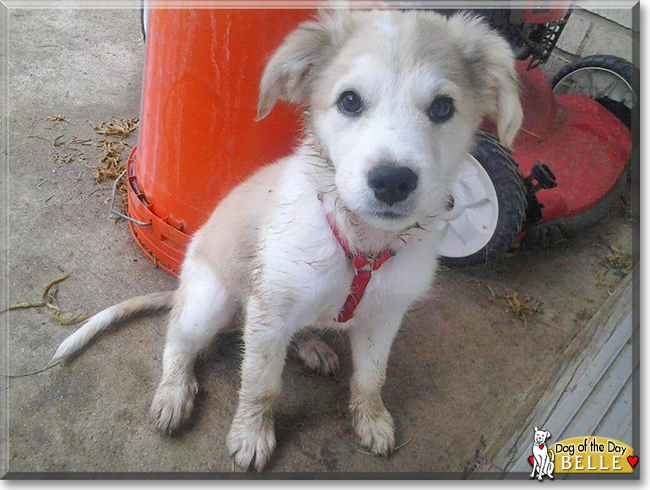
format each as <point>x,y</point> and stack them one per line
<point>268,249</point>
<point>317,355</point>
<point>97,323</point>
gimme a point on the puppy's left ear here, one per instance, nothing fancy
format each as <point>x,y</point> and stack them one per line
<point>548,434</point>
<point>491,64</point>
<point>288,73</point>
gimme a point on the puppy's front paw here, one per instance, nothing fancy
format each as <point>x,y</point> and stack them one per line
<point>375,430</point>
<point>317,355</point>
<point>172,405</point>
<point>250,440</point>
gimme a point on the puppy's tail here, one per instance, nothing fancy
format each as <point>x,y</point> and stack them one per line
<point>106,318</point>
<point>551,455</point>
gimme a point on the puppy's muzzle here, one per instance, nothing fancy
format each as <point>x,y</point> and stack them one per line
<point>391,183</point>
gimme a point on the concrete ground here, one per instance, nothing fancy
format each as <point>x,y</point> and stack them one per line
<point>464,371</point>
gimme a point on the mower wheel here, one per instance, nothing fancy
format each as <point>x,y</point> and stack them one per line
<point>487,206</point>
<point>612,82</point>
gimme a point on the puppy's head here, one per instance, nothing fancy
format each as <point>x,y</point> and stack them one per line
<point>541,436</point>
<point>394,99</point>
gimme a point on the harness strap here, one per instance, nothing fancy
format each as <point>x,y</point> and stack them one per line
<point>363,264</point>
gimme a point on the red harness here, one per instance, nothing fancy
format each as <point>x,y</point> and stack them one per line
<point>363,264</point>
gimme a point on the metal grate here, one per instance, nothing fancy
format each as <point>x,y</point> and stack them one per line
<point>544,40</point>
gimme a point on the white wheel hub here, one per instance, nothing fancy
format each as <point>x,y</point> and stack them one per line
<point>470,222</point>
<point>597,83</point>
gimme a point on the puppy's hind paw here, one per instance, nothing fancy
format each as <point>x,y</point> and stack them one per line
<point>317,355</point>
<point>172,405</point>
<point>248,443</point>
<point>376,433</point>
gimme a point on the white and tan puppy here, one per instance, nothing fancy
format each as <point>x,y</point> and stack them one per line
<point>392,100</point>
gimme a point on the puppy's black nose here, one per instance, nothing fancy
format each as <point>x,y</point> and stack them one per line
<point>391,183</point>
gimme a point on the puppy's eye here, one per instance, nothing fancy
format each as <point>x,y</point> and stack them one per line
<point>350,103</point>
<point>441,109</point>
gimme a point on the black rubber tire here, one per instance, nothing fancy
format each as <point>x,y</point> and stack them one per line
<point>512,197</point>
<point>621,67</point>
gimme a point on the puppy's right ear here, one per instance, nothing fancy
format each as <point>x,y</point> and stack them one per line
<point>288,73</point>
<point>535,429</point>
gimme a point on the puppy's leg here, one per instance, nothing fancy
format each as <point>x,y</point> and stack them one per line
<point>314,352</point>
<point>252,434</point>
<point>370,345</point>
<point>202,309</point>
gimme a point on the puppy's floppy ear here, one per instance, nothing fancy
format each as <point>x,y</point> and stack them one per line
<point>288,73</point>
<point>548,434</point>
<point>491,64</point>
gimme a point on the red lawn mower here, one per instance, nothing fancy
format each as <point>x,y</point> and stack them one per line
<point>569,163</point>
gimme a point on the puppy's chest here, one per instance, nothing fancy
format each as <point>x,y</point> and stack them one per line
<point>322,278</point>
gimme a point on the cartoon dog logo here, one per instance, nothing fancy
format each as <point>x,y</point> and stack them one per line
<point>543,458</point>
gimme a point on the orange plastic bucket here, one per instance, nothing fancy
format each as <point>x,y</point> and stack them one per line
<point>198,134</point>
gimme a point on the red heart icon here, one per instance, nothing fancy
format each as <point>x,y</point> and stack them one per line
<point>541,446</point>
<point>530,458</point>
<point>632,460</point>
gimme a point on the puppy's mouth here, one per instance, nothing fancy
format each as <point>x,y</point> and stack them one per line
<point>402,211</point>
<point>390,215</point>
<point>389,219</point>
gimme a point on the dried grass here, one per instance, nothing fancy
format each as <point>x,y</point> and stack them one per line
<point>584,315</point>
<point>522,307</point>
<point>57,141</point>
<point>617,260</point>
<point>601,279</point>
<point>392,452</point>
<point>110,166</point>
<point>58,118</point>
<point>78,141</point>
<point>111,145</point>
<point>117,128</point>
<point>76,156</point>
<point>50,300</point>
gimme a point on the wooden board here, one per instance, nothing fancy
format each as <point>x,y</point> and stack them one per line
<point>591,391</point>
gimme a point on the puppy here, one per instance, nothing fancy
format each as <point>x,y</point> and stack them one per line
<point>543,457</point>
<point>342,233</point>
